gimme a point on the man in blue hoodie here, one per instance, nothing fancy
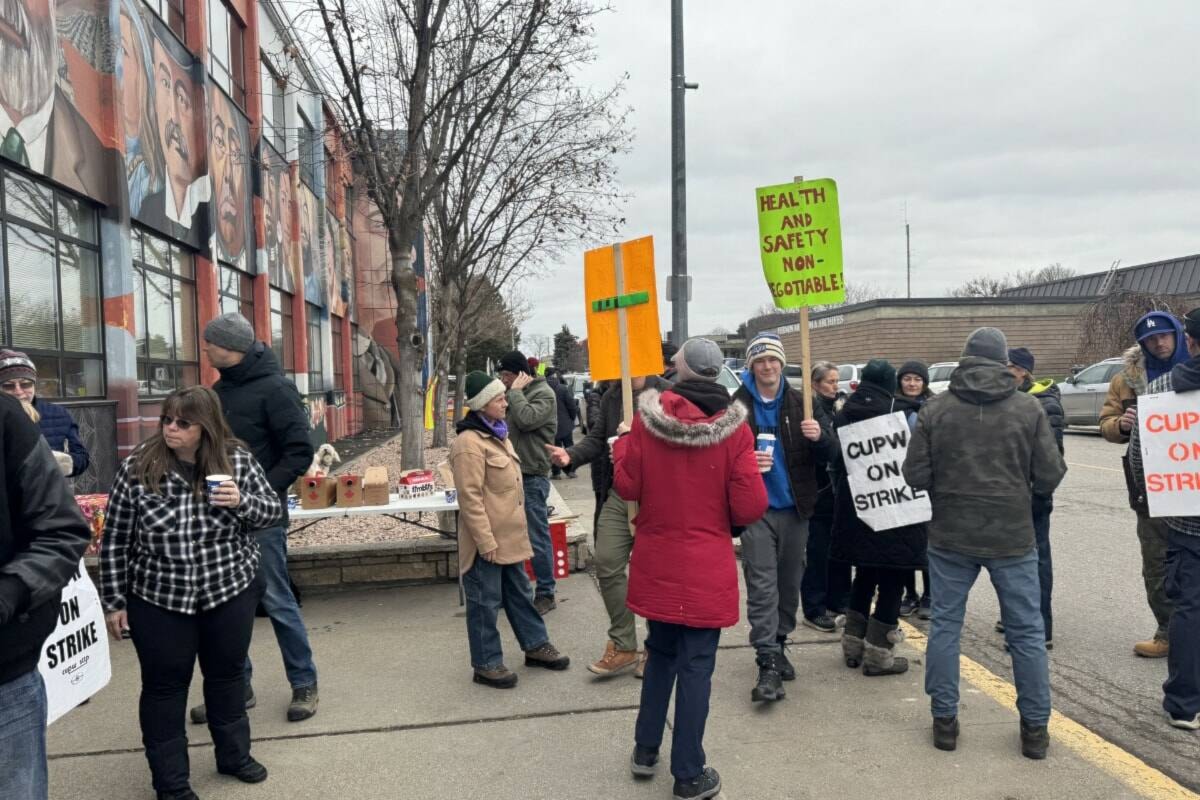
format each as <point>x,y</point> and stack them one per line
<point>773,549</point>
<point>1181,692</point>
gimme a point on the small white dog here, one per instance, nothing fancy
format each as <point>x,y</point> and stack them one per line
<point>323,461</point>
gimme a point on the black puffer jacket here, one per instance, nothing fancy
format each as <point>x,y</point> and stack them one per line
<point>1051,399</point>
<point>568,408</point>
<point>825,490</point>
<point>593,448</point>
<point>265,411</point>
<point>853,540</point>
<point>42,537</point>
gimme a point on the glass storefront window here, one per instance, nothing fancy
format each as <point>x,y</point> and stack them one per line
<point>165,306</point>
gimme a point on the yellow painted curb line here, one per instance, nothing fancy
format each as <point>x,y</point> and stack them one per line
<point>1122,765</point>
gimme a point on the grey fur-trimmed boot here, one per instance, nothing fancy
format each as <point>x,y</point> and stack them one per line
<point>878,658</point>
<point>852,638</point>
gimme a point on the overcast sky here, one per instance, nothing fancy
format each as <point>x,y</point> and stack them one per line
<point>1019,134</point>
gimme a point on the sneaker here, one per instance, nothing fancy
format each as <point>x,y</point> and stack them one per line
<point>907,606</point>
<point>945,733</point>
<point>572,475</point>
<point>769,686</point>
<point>639,671</point>
<point>822,622</point>
<point>614,661</point>
<point>548,657</point>
<point>1192,724</point>
<point>545,603</point>
<point>304,703</point>
<point>644,761</point>
<point>199,714</point>
<point>1035,740</point>
<point>708,784</point>
<point>498,678</point>
<point>1153,648</point>
<point>250,772</point>
<point>925,609</point>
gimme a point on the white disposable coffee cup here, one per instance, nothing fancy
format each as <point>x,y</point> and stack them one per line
<point>766,443</point>
<point>214,481</point>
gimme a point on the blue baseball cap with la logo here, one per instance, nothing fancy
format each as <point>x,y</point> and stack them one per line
<point>1154,323</point>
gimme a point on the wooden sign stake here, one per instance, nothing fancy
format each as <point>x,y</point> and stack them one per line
<point>623,344</point>
<point>805,355</point>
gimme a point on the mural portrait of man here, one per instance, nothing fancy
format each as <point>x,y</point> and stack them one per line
<point>39,126</point>
<point>289,277</point>
<point>143,156</point>
<point>229,164</point>
<point>310,249</point>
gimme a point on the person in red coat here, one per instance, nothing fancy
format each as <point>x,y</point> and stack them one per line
<point>689,462</point>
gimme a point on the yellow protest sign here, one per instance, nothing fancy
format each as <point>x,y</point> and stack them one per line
<point>634,297</point>
<point>800,238</point>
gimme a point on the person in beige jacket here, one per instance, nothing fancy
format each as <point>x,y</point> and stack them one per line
<point>493,543</point>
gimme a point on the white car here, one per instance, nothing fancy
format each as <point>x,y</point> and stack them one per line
<point>939,376</point>
<point>849,376</point>
<point>729,379</point>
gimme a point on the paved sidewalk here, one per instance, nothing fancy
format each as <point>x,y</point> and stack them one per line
<point>400,718</point>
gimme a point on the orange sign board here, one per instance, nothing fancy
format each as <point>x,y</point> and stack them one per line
<point>640,306</point>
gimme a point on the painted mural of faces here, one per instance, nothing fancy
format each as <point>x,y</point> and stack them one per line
<point>228,168</point>
<point>28,51</point>
<point>176,115</point>
<point>134,82</point>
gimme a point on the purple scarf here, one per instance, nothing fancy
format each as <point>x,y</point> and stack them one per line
<point>499,428</point>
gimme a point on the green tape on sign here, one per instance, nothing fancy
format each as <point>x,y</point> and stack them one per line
<point>621,301</point>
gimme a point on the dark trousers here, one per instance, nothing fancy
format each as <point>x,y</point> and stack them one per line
<point>1041,532</point>
<point>826,584</point>
<point>1181,692</point>
<point>910,584</point>
<point>168,645</point>
<point>680,658</point>
<point>890,583</point>
<point>563,441</point>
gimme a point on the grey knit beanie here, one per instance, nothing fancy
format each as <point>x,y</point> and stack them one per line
<point>987,343</point>
<point>231,331</point>
<point>698,359</point>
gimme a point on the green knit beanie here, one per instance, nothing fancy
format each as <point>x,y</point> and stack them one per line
<point>480,389</point>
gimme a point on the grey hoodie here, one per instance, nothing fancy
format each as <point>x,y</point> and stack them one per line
<point>981,450</point>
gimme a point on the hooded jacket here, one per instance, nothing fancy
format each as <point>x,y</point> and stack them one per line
<point>981,450</point>
<point>593,448</point>
<point>1182,379</point>
<point>693,472</point>
<point>62,434</point>
<point>265,411</point>
<point>42,537</point>
<point>532,424</point>
<point>1130,383</point>
<point>568,408</point>
<point>854,541</point>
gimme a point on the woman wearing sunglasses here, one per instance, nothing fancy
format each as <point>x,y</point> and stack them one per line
<point>178,575</point>
<point>18,377</point>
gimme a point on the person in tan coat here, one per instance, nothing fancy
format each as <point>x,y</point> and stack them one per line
<point>493,543</point>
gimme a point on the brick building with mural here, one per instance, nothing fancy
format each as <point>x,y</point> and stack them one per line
<point>162,162</point>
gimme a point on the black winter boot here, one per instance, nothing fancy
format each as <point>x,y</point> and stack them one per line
<point>880,641</point>
<point>770,682</point>
<point>945,733</point>
<point>852,638</point>
<point>1035,740</point>
<point>786,670</point>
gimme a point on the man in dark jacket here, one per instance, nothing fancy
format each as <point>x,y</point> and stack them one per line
<point>773,548</point>
<point>265,411</point>
<point>42,537</point>
<point>614,538</point>
<point>982,450</point>
<point>18,377</point>
<point>568,414</point>
<point>1020,364</point>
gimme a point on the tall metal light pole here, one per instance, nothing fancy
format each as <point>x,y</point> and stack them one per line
<point>679,290</point>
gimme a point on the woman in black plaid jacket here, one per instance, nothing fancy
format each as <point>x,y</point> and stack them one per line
<point>178,575</point>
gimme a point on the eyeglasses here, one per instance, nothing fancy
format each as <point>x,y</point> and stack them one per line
<point>12,386</point>
<point>179,422</point>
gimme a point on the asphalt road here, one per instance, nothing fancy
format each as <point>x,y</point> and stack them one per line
<point>1099,612</point>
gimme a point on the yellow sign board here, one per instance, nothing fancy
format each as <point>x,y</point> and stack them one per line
<point>800,239</point>
<point>636,298</point>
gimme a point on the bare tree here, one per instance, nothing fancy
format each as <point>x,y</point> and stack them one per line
<point>994,285</point>
<point>408,72</point>
<point>1109,322</point>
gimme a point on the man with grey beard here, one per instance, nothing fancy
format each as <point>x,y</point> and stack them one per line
<point>39,128</point>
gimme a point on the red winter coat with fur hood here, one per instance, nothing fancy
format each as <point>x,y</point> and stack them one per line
<point>695,477</point>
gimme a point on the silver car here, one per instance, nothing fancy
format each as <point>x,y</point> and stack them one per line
<point>1083,393</point>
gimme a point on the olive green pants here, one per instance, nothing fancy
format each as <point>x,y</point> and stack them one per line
<point>614,543</point>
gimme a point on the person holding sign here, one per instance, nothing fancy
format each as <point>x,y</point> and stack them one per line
<point>42,538</point>
<point>982,450</point>
<point>884,557</point>
<point>179,574</point>
<point>790,451</point>
<point>1181,692</point>
<point>912,391</point>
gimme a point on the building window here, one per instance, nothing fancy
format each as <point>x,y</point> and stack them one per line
<point>164,299</point>
<point>171,12</point>
<point>50,289</point>
<point>274,114</point>
<point>306,143</point>
<point>316,377</point>
<point>338,365</point>
<point>226,50</point>
<point>235,292</point>
<point>281,332</point>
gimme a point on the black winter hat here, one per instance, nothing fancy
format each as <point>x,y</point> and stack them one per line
<point>878,372</point>
<point>1021,357</point>
<point>514,361</point>
<point>914,367</point>
<point>1191,323</point>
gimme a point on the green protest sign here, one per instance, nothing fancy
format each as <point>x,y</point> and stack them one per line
<point>800,236</point>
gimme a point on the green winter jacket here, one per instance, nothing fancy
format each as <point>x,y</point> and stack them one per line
<point>532,423</point>
<point>981,450</point>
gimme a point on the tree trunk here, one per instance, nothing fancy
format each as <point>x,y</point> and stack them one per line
<point>460,370</point>
<point>441,433</point>
<point>410,343</point>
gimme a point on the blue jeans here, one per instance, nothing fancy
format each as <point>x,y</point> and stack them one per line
<point>1181,692</point>
<point>1016,583</point>
<point>488,588</point>
<point>281,606</point>
<point>537,520</point>
<point>23,738</point>
<point>682,659</point>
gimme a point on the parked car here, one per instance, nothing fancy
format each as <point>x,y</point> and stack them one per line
<point>1083,393</point>
<point>577,382</point>
<point>848,376</point>
<point>939,376</point>
<point>729,379</point>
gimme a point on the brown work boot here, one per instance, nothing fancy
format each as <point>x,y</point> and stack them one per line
<point>639,671</point>
<point>614,661</point>
<point>498,678</point>
<point>546,656</point>
<point>1153,648</point>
